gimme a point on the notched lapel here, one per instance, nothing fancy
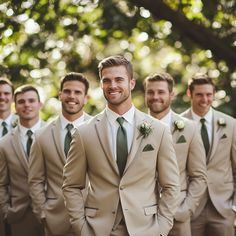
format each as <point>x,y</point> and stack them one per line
<point>181,139</point>
<point>147,148</point>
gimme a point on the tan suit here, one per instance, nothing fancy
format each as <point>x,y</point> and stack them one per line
<point>14,120</point>
<point>191,159</point>
<point>14,191</point>
<point>47,160</point>
<point>221,170</point>
<point>151,161</point>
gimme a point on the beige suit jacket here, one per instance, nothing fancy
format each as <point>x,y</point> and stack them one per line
<point>221,165</point>
<point>14,190</point>
<point>191,159</point>
<point>47,160</point>
<point>151,161</point>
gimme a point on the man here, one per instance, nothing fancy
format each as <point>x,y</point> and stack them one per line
<point>122,194</point>
<point>49,153</point>
<point>7,119</point>
<point>14,153</point>
<point>214,215</point>
<point>188,147</point>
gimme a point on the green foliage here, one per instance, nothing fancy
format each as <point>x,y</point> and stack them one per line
<point>42,40</point>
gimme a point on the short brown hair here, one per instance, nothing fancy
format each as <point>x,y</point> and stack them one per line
<point>73,76</point>
<point>8,82</point>
<point>25,88</point>
<point>162,76</point>
<point>117,60</point>
<point>200,79</point>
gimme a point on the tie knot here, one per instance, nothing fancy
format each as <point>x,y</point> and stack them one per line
<point>203,120</point>
<point>4,123</point>
<point>69,127</point>
<point>29,133</point>
<point>120,120</point>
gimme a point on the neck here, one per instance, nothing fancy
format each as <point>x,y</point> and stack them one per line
<point>120,109</point>
<point>159,115</point>
<point>28,123</point>
<point>72,117</point>
<point>5,114</point>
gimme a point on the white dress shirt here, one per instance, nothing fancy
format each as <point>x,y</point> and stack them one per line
<point>23,131</point>
<point>209,120</point>
<point>64,123</point>
<point>128,124</point>
<point>8,122</point>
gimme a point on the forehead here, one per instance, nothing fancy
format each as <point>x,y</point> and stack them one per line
<point>26,95</point>
<point>114,71</point>
<point>5,88</point>
<point>203,88</point>
<point>73,85</point>
<point>157,85</point>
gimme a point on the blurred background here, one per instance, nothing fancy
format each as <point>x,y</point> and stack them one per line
<point>40,41</point>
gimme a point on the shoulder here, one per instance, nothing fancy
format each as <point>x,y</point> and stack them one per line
<point>46,128</point>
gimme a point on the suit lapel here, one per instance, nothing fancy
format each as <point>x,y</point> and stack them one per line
<point>139,118</point>
<point>215,136</point>
<point>56,134</point>
<point>102,129</point>
<point>18,148</point>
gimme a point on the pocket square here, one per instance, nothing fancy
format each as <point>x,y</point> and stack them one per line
<point>148,147</point>
<point>181,139</point>
<point>223,136</point>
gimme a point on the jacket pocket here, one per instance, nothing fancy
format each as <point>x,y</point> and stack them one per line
<point>91,212</point>
<point>151,210</point>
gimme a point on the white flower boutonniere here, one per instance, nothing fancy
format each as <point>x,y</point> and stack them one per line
<point>179,125</point>
<point>14,123</point>
<point>221,122</point>
<point>145,129</point>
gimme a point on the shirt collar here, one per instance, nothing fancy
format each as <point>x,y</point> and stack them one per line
<point>167,118</point>
<point>128,116</point>
<point>23,130</point>
<point>7,120</point>
<point>208,116</point>
<point>75,123</point>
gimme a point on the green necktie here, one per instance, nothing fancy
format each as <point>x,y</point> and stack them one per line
<point>121,146</point>
<point>68,138</point>
<point>4,129</point>
<point>29,133</point>
<point>204,134</point>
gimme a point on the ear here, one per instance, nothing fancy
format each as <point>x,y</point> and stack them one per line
<point>188,93</point>
<point>59,96</point>
<point>132,83</point>
<point>172,95</point>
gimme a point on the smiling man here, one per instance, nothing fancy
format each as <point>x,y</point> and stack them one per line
<point>126,154</point>
<point>7,118</point>
<point>159,93</point>
<point>216,212</point>
<point>49,153</point>
<point>15,201</point>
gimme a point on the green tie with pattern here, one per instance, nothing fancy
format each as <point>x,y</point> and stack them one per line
<point>4,128</point>
<point>204,134</point>
<point>68,138</point>
<point>29,133</point>
<point>121,146</point>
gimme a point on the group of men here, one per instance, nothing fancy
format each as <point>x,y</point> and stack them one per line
<point>121,172</point>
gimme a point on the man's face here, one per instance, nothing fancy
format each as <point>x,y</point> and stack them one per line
<point>202,97</point>
<point>27,106</point>
<point>117,86</point>
<point>157,97</point>
<point>73,98</point>
<point>6,97</point>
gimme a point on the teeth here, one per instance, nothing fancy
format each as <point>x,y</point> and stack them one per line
<point>71,103</point>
